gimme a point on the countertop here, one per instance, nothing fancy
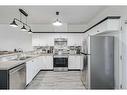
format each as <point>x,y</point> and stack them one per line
<point>4,55</point>
<point>7,65</point>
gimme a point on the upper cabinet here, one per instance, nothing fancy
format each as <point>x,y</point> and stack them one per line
<point>47,39</point>
<point>41,40</point>
<point>109,24</point>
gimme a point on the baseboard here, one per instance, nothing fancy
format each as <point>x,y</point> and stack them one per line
<point>46,70</point>
<point>74,70</point>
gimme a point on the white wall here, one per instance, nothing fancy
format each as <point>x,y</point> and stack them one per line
<point>11,38</point>
<point>51,28</point>
<point>117,11</point>
<point>44,39</point>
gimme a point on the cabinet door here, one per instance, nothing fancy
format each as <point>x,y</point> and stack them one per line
<point>40,63</point>
<point>29,72</point>
<point>50,62</point>
<point>36,62</point>
<point>32,68</point>
<point>74,62</point>
<point>77,62</point>
<point>81,62</point>
<point>35,40</point>
<point>47,62</point>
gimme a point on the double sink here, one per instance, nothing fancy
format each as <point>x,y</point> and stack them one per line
<point>22,58</point>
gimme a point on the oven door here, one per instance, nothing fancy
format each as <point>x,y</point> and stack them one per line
<point>60,62</point>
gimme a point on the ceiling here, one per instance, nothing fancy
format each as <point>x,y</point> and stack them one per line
<point>46,14</point>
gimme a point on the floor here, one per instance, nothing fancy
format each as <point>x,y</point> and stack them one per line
<point>57,80</point>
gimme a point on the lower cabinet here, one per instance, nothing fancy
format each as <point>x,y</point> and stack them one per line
<point>35,65</point>
<point>75,62</point>
<point>32,68</point>
<point>47,62</point>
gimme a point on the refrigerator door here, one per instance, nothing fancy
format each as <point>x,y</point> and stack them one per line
<point>84,70</point>
<point>85,64</point>
<point>101,70</point>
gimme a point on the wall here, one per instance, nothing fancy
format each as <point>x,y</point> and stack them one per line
<point>121,39</point>
<point>11,38</point>
<point>51,28</point>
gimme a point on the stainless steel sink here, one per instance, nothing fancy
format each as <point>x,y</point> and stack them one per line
<point>22,58</point>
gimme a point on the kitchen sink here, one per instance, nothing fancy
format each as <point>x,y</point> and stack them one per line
<point>22,58</point>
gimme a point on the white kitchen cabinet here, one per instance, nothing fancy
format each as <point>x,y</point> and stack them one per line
<point>30,71</point>
<point>35,40</point>
<point>38,40</point>
<point>74,40</point>
<point>32,68</point>
<point>75,62</point>
<point>81,62</point>
<point>109,25</point>
<point>47,62</point>
<point>35,65</point>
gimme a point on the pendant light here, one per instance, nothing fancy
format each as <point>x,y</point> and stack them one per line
<point>57,22</point>
<point>13,24</point>
<point>29,31</point>
<point>22,12</point>
<point>23,28</point>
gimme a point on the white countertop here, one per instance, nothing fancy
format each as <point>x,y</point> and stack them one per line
<point>13,63</point>
<point>10,64</point>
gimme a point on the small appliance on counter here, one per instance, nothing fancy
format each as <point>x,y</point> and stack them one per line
<point>74,49</point>
<point>44,49</point>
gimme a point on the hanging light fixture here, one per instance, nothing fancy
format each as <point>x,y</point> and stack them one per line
<point>13,24</point>
<point>57,22</point>
<point>22,12</point>
<point>23,28</point>
<point>30,31</point>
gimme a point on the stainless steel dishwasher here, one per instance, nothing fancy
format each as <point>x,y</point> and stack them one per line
<point>17,77</point>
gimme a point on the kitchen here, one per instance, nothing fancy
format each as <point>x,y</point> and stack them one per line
<point>64,47</point>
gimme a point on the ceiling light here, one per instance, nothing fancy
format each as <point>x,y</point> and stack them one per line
<point>13,24</point>
<point>23,28</point>
<point>57,22</point>
<point>29,31</point>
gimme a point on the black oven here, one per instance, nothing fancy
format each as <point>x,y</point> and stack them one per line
<point>60,63</point>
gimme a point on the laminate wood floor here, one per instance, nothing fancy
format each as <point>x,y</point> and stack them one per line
<point>57,80</point>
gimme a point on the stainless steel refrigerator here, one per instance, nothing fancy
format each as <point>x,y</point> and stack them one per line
<point>98,69</point>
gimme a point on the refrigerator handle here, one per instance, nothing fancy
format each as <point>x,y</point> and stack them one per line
<point>84,53</point>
